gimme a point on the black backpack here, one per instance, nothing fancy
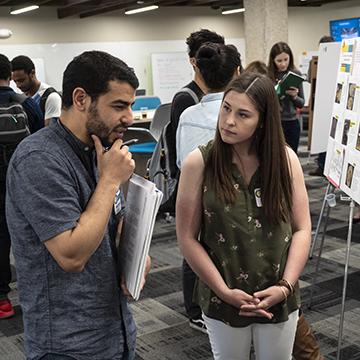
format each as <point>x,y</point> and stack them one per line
<point>14,127</point>
<point>44,97</point>
<point>160,164</point>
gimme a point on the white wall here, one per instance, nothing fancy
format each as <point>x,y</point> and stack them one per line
<point>132,38</point>
<point>306,26</point>
<point>168,23</point>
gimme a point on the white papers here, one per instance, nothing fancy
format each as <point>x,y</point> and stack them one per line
<point>142,205</point>
<point>342,166</point>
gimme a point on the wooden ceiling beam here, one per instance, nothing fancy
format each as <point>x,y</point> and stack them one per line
<point>131,4</point>
<point>76,2</point>
<point>13,3</point>
<point>310,2</point>
<point>84,7</point>
<point>104,10</point>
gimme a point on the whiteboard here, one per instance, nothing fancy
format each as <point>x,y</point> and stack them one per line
<point>327,70</point>
<point>170,72</point>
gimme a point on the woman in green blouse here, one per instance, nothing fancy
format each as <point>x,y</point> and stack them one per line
<point>244,193</point>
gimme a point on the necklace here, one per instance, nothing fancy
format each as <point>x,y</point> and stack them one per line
<point>242,168</point>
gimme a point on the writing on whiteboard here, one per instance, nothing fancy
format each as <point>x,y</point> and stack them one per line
<point>170,72</point>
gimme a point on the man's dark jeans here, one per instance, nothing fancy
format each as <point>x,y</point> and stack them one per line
<point>5,270</point>
<point>188,279</point>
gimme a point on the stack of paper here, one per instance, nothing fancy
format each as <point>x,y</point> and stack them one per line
<point>142,205</point>
<point>288,80</point>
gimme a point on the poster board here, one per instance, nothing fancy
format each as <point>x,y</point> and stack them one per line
<point>328,65</point>
<point>342,165</point>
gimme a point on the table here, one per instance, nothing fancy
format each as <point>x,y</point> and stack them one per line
<point>138,116</point>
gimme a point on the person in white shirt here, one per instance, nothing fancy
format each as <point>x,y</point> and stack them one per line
<point>24,75</point>
<point>217,64</point>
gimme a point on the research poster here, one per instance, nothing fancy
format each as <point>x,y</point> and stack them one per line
<point>342,166</point>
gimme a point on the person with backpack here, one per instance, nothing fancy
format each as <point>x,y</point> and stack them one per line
<point>188,96</point>
<point>26,116</point>
<point>46,96</point>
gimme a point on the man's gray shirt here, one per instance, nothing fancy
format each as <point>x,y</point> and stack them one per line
<point>83,315</point>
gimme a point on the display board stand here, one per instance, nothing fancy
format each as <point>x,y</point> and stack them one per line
<point>313,72</point>
<point>329,190</point>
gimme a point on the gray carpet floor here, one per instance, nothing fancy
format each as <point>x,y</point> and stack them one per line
<point>163,330</point>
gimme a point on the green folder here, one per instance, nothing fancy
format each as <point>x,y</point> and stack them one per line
<point>289,79</point>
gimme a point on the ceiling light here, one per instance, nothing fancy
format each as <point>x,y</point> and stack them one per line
<point>232,11</point>
<point>16,11</point>
<point>146,8</point>
<point>5,33</point>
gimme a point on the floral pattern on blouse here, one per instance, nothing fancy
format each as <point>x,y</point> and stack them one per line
<point>248,252</point>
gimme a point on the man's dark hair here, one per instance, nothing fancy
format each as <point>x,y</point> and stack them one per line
<point>92,71</point>
<point>22,62</point>
<point>197,38</point>
<point>326,39</point>
<point>5,67</point>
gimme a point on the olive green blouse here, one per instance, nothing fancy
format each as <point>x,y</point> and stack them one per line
<point>249,253</point>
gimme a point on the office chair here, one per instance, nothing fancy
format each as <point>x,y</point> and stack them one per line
<point>160,119</point>
<point>146,102</point>
<point>140,92</point>
<point>146,149</point>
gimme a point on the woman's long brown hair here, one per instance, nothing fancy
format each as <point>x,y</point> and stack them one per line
<point>277,49</point>
<point>275,174</point>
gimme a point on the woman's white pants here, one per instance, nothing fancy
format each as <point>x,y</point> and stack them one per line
<point>271,341</point>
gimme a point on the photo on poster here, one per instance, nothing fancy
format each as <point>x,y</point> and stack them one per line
<point>351,125</point>
<point>338,93</point>
<point>351,96</point>
<point>338,130</point>
<point>341,93</point>
<point>349,175</point>
<point>333,127</point>
<point>358,139</point>
<point>346,131</point>
<point>350,182</point>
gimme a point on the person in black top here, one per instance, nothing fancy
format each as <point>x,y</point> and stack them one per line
<point>180,102</point>
<point>183,100</point>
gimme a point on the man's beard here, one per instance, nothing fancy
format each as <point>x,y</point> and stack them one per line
<point>95,125</point>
